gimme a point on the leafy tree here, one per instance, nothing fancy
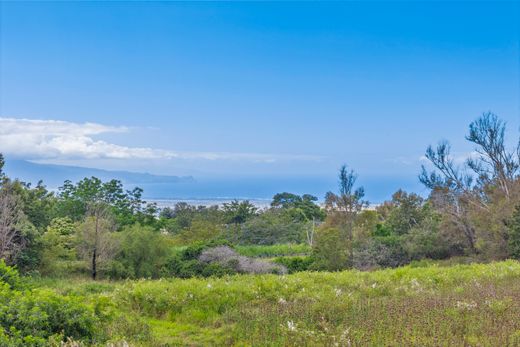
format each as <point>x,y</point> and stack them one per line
<point>127,207</point>
<point>58,246</point>
<point>305,207</point>
<point>272,226</point>
<point>403,212</point>
<point>238,212</point>
<point>97,244</point>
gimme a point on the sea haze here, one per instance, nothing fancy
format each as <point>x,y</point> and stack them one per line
<point>211,190</point>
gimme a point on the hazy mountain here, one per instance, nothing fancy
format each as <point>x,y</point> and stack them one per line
<point>54,175</point>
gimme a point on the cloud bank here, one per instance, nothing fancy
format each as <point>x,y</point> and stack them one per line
<point>54,139</point>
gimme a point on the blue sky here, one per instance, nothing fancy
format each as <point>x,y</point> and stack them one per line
<point>254,89</point>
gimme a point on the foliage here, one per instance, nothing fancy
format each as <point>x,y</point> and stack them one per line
<point>296,263</point>
<point>9,276</point>
<point>430,305</point>
<point>200,230</point>
<point>143,252</point>
<point>238,212</point>
<point>276,250</point>
<point>271,227</point>
<point>30,318</point>
<point>514,234</point>
<point>58,247</point>
<point>304,206</point>
<point>215,258</point>
<point>97,244</point>
<point>330,251</point>
<point>227,257</point>
<point>127,207</point>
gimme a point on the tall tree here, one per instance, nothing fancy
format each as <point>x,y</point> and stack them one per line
<point>11,216</point>
<point>346,206</point>
<point>467,193</point>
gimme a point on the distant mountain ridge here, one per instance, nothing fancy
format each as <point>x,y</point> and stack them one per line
<point>53,175</point>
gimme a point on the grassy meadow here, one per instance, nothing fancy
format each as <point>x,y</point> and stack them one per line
<point>458,305</point>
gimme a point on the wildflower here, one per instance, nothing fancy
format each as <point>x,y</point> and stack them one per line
<point>282,301</point>
<point>466,305</point>
<point>337,291</point>
<point>374,285</point>
<point>209,285</point>
<point>291,326</point>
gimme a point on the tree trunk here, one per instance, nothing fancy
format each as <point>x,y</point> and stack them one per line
<point>94,270</point>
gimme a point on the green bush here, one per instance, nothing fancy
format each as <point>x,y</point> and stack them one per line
<point>9,276</point>
<point>295,264</point>
<point>185,263</point>
<point>31,317</point>
<point>142,253</point>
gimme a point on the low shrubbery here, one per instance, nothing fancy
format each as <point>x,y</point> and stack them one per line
<point>269,251</point>
<point>42,317</point>
<point>216,258</point>
<point>226,256</point>
<point>296,263</point>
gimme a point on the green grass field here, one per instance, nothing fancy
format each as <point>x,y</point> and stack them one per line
<point>461,305</point>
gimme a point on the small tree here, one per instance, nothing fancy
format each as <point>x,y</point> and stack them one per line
<point>97,244</point>
<point>58,245</point>
<point>345,208</point>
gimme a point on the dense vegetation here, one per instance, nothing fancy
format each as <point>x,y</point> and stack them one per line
<point>100,231</point>
<point>431,305</point>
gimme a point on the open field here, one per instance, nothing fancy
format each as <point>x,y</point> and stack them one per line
<point>461,305</point>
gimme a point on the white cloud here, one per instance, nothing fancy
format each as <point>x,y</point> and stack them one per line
<point>53,139</point>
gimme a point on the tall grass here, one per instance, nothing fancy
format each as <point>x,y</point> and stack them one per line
<point>462,305</point>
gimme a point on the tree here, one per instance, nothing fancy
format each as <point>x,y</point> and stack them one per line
<point>403,212</point>
<point>494,163</point>
<point>97,244</point>
<point>142,252</point>
<point>477,196</point>
<point>273,226</point>
<point>238,212</point>
<point>127,207</point>
<point>11,217</point>
<point>345,207</point>
<point>58,246</point>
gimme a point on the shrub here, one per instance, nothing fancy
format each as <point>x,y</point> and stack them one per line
<point>330,252</point>
<point>227,257</point>
<point>295,264</point>
<point>9,276</point>
<point>29,318</point>
<point>143,253</point>
<point>215,258</point>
